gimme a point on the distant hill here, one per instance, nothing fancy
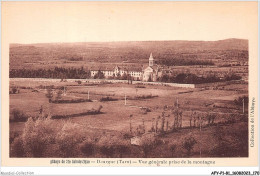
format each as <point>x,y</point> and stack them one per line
<point>133,52</point>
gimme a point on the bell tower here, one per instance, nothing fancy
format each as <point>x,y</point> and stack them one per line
<point>151,60</point>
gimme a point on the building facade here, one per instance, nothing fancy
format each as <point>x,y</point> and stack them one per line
<point>149,72</point>
<point>152,71</point>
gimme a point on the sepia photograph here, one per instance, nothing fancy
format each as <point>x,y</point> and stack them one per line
<point>129,99</point>
<point>129,80</point>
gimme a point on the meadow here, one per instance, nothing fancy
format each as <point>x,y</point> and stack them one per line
<point>134,112</point>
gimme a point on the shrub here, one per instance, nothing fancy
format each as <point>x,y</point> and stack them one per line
<point>40,134</point>
<point>37,135</point>
<point>49,94</point>
<point>70,101</point>
<point>188,144</point>
<point>89,112</point>
<point>221,149</point>
<point>17,148</point>
<point>144,110</point>
<point>122,149</point>
<point>99,75</point>
<point>58,97</point>
<point>239,101</point>
<point>68,139</point>
<point>17,116</point>
<point>13,90</point>
<point>108,151</point>
<point>147,147</point>
<point>230,119</point>
<point>173,148</point>
<point>41,87</point>
<point>231,143</point>
<point>12,136</point>
<point>124,77</point>
<point>145,96</point>
<point>88,148</point>
<point>108,99</point>
<point>148,142</point>
<point>140,86</point>
<point>127,135</point>
<point>232,77</point>
<point>50,87</point>
<point>111,144</point>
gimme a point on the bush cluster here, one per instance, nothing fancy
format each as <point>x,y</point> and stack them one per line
<point>108,99</point>
<point>17,115</point>
<point>189,78</point>
<point>71,101</point>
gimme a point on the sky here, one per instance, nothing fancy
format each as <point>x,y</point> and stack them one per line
<point>46,22</point>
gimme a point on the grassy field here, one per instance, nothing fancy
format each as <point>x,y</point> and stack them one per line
<point>115,114</point>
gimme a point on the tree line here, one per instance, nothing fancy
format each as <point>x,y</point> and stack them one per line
<point>189,78</point>
<point>81,73</point>
<point>180,62</point>
<point>57,72</point>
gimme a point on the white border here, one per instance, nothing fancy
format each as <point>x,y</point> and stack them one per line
<point>124,170</point>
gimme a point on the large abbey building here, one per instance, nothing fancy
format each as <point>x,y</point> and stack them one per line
<point>149,72</point>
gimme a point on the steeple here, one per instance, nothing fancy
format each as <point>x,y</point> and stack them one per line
<point>151,60</point>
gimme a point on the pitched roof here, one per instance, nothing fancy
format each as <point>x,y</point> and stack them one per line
<point>135,69</point>
<point>102,68</point>
<point>112,68</point>
<point>154,67</point>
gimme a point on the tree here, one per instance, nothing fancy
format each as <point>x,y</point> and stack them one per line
<point>180,119</point>
<point>17,148</point>
<point>188,144</point>
<point>118,76</point>
<point>99,75</point>
<point>130,123</point>
<point>164,78</point>
<point>68,139</point>
<point>152,128</point>
<point>239,101</point>
<point>163,121</point>
<point>129,79</point>
<point>180,78</point>
<point>108,151</point>
<point>232,76</point>
<point>49,94</point>
<point>37,135</point>
<point>147,148</point>
<point>167,122</point>
<point>88,148</point>
<point>147,144</point>
<point>173,148</point>
<point>156,124</point>
<point>41,110</point>
<point>58,97</point>
<point>14,90</point>
<point>99,108</point>
<point>88,74</point>
<point>122,149</point>
<point>191,117</point>
<point>18,115</point>
<point>124,76</point>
